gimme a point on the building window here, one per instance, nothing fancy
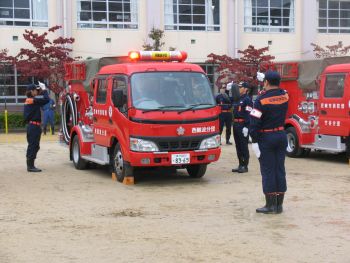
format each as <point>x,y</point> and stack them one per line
<point>12,86</point>
<point>192,15</point>
<point>209,69</point>
<point>269,16</point>
<point>107,14</point>
<point>334,16</point>
<point>23,13</point>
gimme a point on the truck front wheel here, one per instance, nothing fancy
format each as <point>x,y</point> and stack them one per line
<point>119,166</point>
<point>196,170</point>
<point>293,148</point>
<point>78,162</point>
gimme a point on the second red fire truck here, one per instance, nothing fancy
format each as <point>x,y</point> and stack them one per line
<point>318,116</point>
<point>149,109</point>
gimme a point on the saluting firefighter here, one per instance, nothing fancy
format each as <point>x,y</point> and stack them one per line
<point>241,112</point>
<point>37,96</point>
<point>225,117</point>
<point>270,141</point>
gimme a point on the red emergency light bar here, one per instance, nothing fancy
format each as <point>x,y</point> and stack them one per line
<point>179,56</point>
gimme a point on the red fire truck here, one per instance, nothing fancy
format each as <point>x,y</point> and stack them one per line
<point>319,108</point>
<point>149,109</point>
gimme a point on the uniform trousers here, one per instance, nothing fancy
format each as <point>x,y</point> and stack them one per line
<point>225,118</point>
<point>33,139</point>
<point>241,143</point>
<point>273,151</point>
<point>49,118</point>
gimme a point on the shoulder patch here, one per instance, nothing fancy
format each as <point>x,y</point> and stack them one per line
<point>29,101</point>
<point>256,113</point>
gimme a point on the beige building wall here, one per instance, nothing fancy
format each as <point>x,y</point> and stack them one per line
<point>198,44</point>
<point>7,33</point>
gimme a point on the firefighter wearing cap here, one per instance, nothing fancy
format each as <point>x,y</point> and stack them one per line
<point>36,97</point>
<point>270,141</point>
<point>241,111</point>
<point>225,117</point>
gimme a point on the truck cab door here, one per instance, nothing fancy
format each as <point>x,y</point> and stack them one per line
<point>334,104</point>
<point>100,111</point>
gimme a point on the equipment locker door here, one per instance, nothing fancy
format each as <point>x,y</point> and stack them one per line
<point>334,104</point>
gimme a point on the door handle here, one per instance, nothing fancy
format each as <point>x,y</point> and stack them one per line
<point>94,119</point>
<point>323,112</point>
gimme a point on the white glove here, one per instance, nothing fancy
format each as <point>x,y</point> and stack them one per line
<point>42,85</point>
<point>245,131</point>
<point>256,149</point>
<point>229,86</point>
<point>260,76</point>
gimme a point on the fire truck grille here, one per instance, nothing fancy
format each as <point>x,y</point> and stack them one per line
<point>179,145</point>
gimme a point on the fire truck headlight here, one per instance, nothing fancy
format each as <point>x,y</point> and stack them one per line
<point>211,142</point>
<point>139,145</point>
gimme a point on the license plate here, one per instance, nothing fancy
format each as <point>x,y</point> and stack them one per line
<point>180,158</point>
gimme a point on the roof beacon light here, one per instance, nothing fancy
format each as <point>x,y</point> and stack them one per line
<point>179,56</point>
<point>134,55</point>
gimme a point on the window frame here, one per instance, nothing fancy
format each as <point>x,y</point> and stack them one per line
<point>177,26</point>
<point>326,82</point>
<point>31,21</point>
<point>108,24</point>
<point>125,90</point>
<point>105,85</point>
<point>280,29</point>
<point>15,99</point>
<point>332,29</point>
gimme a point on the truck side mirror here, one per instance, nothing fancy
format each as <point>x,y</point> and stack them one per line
<point>118,98</point>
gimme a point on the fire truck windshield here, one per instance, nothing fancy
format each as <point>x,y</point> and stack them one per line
<point>171,91</point>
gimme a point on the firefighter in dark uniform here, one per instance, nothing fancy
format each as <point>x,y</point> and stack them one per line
<point>225,117</point>
<point>36,97</point>
<point>241,112</point>
<point>270,141</point>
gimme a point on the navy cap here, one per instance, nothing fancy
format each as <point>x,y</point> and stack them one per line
<point>272,76</point>
<point>32,87</point>
<point>244,85</point>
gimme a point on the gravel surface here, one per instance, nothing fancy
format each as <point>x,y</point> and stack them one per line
<point>66,215</point>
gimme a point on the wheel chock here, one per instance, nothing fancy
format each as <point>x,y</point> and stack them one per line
<point>128,180</point>
<point>114,177</point>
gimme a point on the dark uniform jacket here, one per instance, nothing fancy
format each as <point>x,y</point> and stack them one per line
<point>242,109</point>
<point>32,106</point>
<point>224,101</point>
<point>269,112</point>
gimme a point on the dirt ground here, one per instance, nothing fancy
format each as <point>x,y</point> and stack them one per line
<point>66,215</point>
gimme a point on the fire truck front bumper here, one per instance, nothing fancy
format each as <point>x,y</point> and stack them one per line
<point>179,159</point>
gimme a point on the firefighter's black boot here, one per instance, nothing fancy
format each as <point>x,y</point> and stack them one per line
<point>270,206</point>
<point>31,167</point>
<point>244,167</point>
<point>280,198</point>
<point>235,170</point>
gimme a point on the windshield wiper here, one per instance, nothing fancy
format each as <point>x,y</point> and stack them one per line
<point>162,108</point>
<point>193,106</point>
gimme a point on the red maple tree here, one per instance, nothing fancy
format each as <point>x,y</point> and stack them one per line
<point>245,68</point>
<point>46,58</point>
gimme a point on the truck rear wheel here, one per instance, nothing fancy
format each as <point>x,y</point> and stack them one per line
<point>78,162</point>
<point>293,149</point>
<point>118,165</point>
<point>197,170</point>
